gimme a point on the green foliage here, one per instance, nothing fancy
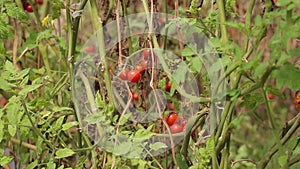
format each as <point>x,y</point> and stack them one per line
<point>286,75</point>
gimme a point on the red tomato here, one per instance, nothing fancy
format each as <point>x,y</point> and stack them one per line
<point>90,49</point>
<point>171,106</point>
<point>3,102</point>
<point>133,76</point>
<point>274,1</point>
<point>123,75</point>
<point>168,87</point>
<point>135,96</point>
<point>146,54</point>
<point>271,96</point>
<point>39,2</point>
<point>176,128</point>
<point>171,119</point>
<point>193,133</point>
<point>29,8</point>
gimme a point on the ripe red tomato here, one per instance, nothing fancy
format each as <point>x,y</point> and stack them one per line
<point>133,76</point>
<point>123,75</point>
<point>146,54</point>
<point>172,118</point>
<point>274,1</point>
<point>171,106</point>
<point>271,96</point>
<point>3,102</point>
<point>39,2</point>
<point>90,49</point>
<point>139,68</point>
<point>29,8</point>
<point>135,96</point>
<point>168,87</point>
<point>176,128</point>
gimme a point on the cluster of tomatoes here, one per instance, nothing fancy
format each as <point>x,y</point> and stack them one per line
<point>28,7</point>
<point>134,75</point>
<point>175,123</point>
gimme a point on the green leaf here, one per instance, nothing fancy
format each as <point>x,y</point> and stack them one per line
<point>61,109</point>
<point>123,148</point>
<point>15,12</point>
<point>32,165</point>
<point>62,153</point>
<point>252,101</point>
<point>158,145</point>
<point>124,118</point>
<point>39,147</point>
<point>4,31</point>
<point>23,73</point>
<point>1,131</point>
<point>210,146</point>
<point>12,130</point>
<point>94,118</point>
<point>30,42</point>
<point>51,165</point>
<point>47,34</point>
<point>196,64</point>
<point>58,124</point>
<point>187,51</point>
<point>282,160</point>
<point>5,85</point>
<point>292,143</point>
<point>180,73</point>
<point>288,75</point>
<point>29,88</point>
<point>10,67</point>
<point>68,125</point>
<point>296,151</point>
<point>237,25</point>
<point>260,69</point>
<point>99,101</point>
<point>5,160</point>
